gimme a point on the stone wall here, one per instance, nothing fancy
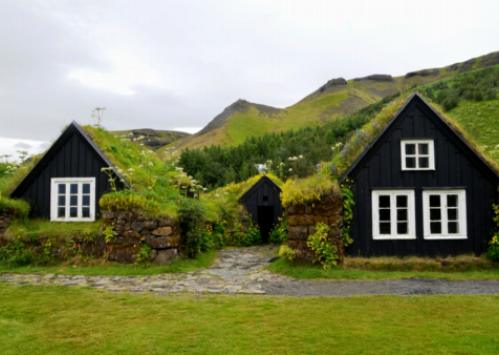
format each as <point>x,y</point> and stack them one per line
<point>134,230</point>
<point>302,219</point>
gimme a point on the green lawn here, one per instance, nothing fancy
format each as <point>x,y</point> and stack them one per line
<point>303,271</point>
<point>39,320</point>
<point>106,268</point>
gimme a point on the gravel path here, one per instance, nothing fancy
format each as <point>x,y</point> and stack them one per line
<point>242,270</point>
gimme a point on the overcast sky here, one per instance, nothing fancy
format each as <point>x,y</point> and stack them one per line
<point>170,64</point>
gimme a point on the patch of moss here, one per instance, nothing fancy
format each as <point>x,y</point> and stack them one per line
<point>14,207</point>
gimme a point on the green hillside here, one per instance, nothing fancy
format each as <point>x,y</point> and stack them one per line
<point>337,98</point>
<point>470,100</point>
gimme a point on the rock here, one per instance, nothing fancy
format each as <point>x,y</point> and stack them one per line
<point>165,256</point>
<point>165,221</point>
<point>376,77</point>
<point>150,224</point>
<point>137,225</point>
<point>163,242</point>
<point>333,83</point>
<point>163,231</point>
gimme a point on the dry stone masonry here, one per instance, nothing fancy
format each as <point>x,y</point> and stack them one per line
<point>302,219</point>
<point>133,230</point>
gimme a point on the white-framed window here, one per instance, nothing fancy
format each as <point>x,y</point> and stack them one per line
<point>444,214</point>
<point>417,154</point>
<point>72,199</point>
<point>393,214</point>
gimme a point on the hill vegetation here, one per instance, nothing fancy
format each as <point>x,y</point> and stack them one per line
<point>335,99</point>
<point>470,99</point>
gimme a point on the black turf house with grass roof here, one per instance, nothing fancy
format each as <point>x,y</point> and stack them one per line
<point>263,202</point>
<point>68,181</point>
<point>421,189</point>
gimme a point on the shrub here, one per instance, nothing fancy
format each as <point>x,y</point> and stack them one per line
<point>144,254</point>
<point>218,235</point>
<point>251,237</point>
<point>15,253</point>
<point>325,252</point>
<point>279,233</point>
<point>493,250</point>
<point>287,253</point>
<point>191,222</point>
<point>348,205</point>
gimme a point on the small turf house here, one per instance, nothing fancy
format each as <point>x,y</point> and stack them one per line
<point>68,181</point>
<point>263,202</point>
<point>421,189</point>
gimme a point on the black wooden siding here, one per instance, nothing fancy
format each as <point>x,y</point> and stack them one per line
<point>264,193</point>
<point>456,167</point>
<point>70,156</point>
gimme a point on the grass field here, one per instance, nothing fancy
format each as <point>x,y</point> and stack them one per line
<point>303,271</point>
<point>107,268</point>
<point>56,320</point>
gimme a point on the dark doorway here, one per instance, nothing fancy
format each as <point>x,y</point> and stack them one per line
<point>265,221</point>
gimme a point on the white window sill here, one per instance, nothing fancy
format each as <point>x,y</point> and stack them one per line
<point>419,169</point>
<point>445,237</point>
<point>397,237</point>
<point>73,220</point>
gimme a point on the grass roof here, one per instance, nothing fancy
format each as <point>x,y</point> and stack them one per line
<point>227,197</point>
<point>155,186</point>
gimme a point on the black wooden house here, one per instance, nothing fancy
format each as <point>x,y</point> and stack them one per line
<point>421,189</point>
<point>263,202</point>
<point>67,182</point>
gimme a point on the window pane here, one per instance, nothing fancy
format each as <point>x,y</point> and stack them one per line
<point>435,214</point>
<point>73,212</point>
<point>410,162</point>
<point>86,200</point>
<point>423,148</point>
<point>384,215</point>
<point>384,228</point>
<point>86,188</point>
<point>435,200</point>
<point>384,201</point>
<point>61,200</point>
<point>424,163</point>
<point>402,228</point>
<point>73,200</point>
<point>401,201</point>
<point>410,148</point>
<point>74,188</point>
<point>435,228</point>
<point>85,212</point>
<point>452,200</point>
<point>61,188</point>
<point>452,214</point>
<point>402,215</point>
<point>453,227</point>
<point>61,212</point>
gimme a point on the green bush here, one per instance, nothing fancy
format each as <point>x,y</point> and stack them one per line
<point>287,253</point>
<point>16,253</point>
<point>318,242</point>
<point>348,205</point>
<point>144,254</point>
<point>279,233</point>
<point>191,221</point>
<point>493,250</point>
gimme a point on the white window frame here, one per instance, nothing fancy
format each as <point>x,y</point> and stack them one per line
<point>54,182</point>
<point>461,218</point>
<point>411,214</point>
<point>416,155</point>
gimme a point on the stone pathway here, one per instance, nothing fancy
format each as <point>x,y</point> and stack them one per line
<point>242,270</point>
